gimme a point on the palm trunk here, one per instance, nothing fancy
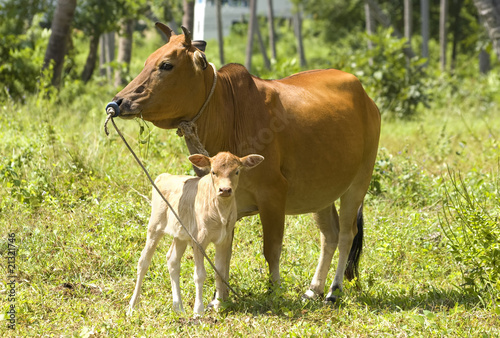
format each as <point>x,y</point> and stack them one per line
<point>443,18</point>
<point>272,35</point>
<point>56,49</point>
<point>251,31</point>
<point>124,51</point>
<point>88,70</point>
<point>489,12</point>
<point>297,24</point>
<point>220,35</point>
<point>424,12</point>
<point>188,17</point>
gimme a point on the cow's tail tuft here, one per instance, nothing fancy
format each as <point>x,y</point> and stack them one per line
<point>351,270</point>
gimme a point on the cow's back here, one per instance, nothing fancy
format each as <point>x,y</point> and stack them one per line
<point>331,128</point>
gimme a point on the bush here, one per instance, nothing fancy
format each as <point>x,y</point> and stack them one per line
<point>470,221</point>
<point>396,84</point>
<point>22,59</point>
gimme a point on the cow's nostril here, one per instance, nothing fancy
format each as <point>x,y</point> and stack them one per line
<point>119,101</point>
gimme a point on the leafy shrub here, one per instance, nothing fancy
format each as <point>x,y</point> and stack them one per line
<point>397,85</point>
<point>470,221</point>
<point>22,58</point>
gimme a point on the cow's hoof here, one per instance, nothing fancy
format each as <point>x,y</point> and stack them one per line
<point>331,300</point>
<point>310,295</point>
<point>333,296</point>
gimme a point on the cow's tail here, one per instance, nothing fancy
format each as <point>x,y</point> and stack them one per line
<point>351,270</point>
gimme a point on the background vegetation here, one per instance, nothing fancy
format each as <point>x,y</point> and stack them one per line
<point>79,206</point>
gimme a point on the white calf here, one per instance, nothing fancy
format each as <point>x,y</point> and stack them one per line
<point>207,207</point>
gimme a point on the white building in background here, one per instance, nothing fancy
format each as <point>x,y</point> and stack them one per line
<point>205,22</point>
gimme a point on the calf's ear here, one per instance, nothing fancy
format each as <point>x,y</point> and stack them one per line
<point>251,161</point>
<point>201,161</point>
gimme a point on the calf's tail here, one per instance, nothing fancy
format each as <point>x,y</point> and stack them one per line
<point>351,270</point>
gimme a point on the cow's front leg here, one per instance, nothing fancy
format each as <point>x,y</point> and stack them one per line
<point>272,216</point>
<point>222,262</point>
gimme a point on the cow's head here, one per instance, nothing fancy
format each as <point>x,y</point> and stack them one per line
<point>172,86</point>
<point>225,169</point>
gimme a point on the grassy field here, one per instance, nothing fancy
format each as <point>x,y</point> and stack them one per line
<point>78,207</point>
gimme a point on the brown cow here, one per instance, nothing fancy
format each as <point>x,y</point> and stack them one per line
<point>318,131</point>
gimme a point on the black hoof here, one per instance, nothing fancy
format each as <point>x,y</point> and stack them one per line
<point>331,300</point>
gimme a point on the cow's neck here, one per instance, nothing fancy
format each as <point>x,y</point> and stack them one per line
<point>231,115</point>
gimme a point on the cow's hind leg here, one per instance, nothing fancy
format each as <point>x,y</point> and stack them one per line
<point>350,203</point>
<point>327,221</point>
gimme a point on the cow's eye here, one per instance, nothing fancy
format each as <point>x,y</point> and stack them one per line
<point>237,172</point>
<point>213,172</point>
<point>166,66</point>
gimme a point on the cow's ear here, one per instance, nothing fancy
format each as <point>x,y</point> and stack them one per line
<point>201,161</point>
<point>200,59</point>
<point>251,161</point>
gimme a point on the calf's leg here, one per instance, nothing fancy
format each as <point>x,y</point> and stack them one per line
<point>222,262</point>
<point>174,256</point>
<point>200,274</point>
<point>156,226</point>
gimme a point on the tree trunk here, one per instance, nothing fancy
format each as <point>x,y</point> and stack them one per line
<point>484,62</point>
<point>408,25</point>
<point>88,70</point>
<point>386,22</point>
<point>489,12</point>
<point>262,46</point>
<point>370,28</point>
<point>188,16</point>
<point>220,35</point>
<point>443,18</point>
<point>297,25</point>
<point>251,30</point>
<point>124,51</point>
<point>456,31</point>
<point>424,13</point>
<point>107,54</point>
<point>56,49</point>
<point>272,34</point>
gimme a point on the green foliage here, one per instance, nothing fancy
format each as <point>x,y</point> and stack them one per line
<point>22,58</point>
<point>470,220</point>
<point>397,85</point>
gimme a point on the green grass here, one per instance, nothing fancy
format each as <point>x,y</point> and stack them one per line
<point>78,205</point>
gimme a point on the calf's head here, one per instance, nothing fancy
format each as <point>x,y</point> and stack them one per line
<point>173,84</point>
<point>225,169</point>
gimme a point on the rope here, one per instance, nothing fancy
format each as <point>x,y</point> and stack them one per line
<point>111,113</point>
<point>189,130</point>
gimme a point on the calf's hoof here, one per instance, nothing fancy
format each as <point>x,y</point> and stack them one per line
<point>215,305</point>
